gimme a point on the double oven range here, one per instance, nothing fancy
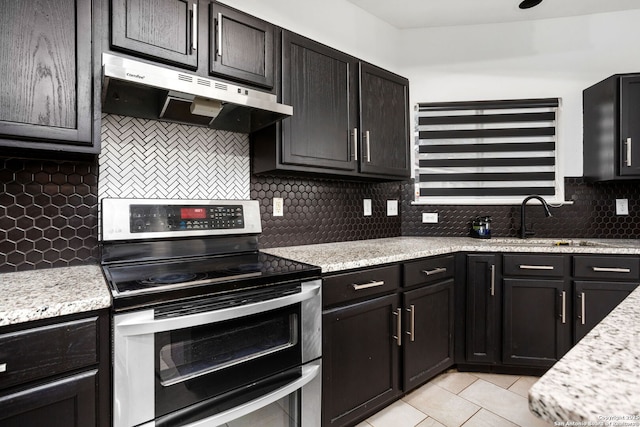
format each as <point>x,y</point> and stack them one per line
<point>208,330</point>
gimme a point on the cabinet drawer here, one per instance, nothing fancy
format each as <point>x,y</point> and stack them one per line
<point>608,267</point>
<point>351,286</point>
<point>46,351</point>
<point>534,265</point>
<point>427,270</point>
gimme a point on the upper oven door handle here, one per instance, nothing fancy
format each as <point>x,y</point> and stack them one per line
<point>142,326</point>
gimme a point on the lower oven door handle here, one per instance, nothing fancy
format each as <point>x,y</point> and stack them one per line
<point>309,372</point>
<point>132,327</point>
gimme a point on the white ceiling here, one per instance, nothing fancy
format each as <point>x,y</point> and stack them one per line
<point>437,13</point>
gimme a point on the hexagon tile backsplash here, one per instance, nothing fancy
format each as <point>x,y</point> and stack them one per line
<point>48,214</point>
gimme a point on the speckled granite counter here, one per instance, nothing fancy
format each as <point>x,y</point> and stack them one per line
<point>598,381</point>
<point>363,253</point>
<point>41,294</point>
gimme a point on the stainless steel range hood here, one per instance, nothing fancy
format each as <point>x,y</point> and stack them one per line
<point>138,89</point>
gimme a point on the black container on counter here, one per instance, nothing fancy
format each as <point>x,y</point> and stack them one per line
<point>481,227</point>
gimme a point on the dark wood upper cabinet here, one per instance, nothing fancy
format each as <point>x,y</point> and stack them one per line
<point>384,122</point>
<point>611,129</point>
<point>349,118</point>
<point>46,63</point>
<point>162,30</point>
<point>242,47</point>
<point>319,83</point>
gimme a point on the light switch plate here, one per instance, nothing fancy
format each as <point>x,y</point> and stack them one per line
<point>278,206</point>
<point>622,207</point>
<point>367,207</point>
<point>392,208</point>
<point>429,217</point>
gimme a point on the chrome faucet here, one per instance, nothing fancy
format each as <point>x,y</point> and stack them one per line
<point>523,227</point>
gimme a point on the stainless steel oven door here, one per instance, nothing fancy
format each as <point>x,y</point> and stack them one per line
<point>157,373</point>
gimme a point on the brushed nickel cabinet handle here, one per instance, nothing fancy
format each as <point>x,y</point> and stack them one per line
<point>412,322</point>
<point>583,311</point>
<point>372,284</point>
<point>563,315</point>
<point>611,270</point>
<point>355,144</point>
<point>492,268</point>
<point>219,44</point>
<point>535,267</point>
<point>435,271</point>
<point>3,367</point>
<point>194,27</point>
<point>628,147</point>
<point>367,140</point>
<point>398,336</point>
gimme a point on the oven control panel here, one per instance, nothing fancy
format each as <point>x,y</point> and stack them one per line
<point>138,219</point>
<point>158,218</point>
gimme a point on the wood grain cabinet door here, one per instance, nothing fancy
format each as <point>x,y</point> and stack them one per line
<point>162,30</point>
<point>319,83</point>
<point>360,359</point>
<point>242,47</point>
<point>428,338</point>
<point>45,63</point>
<point>384,122</point>
<point>629,126</point>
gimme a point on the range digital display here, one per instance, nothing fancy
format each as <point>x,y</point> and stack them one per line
<point>193,213</point>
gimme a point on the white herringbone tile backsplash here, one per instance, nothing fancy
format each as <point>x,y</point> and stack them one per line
<point>154,159</point>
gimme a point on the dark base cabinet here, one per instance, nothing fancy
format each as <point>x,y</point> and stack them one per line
<point>594,300</point>
<point>483,308</point>
<point>428,338</point>
<point>56,372</point>
<point>536,324</point>
<point>360,360</point>
<point>67,402</point>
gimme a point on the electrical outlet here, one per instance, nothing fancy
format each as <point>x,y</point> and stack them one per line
<point>392,208</point>
<point>367,207</point>
<point>622,207</point>
<point>278,206</point>
<point>429,217</point>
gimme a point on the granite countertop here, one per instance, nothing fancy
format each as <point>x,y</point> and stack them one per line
<point>41,294</point>
<point>339,256</point>
<point>596,382</point>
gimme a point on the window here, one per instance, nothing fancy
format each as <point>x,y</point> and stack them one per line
<point>487,152</point>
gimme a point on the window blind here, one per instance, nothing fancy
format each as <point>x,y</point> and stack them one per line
<point>486,151</point>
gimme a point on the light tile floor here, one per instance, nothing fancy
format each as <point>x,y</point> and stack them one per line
<point>456,399</point>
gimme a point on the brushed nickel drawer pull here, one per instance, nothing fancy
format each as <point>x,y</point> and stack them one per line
<point>398,336</point>
<point>355,144</point>
<point>3,367</point>
<point>492,268</point>
<point>412,323</point>
<point>535,267</point>
<point>219,44</point>
<point>583,303</point>
<point>371,284</point>
<point>564,307</point>
<point>194,28</point>
<point>367,139</point>
<point>611,270</point>
<point>435,271</point>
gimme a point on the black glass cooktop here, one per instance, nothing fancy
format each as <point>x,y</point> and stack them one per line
<point>144,283</point>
